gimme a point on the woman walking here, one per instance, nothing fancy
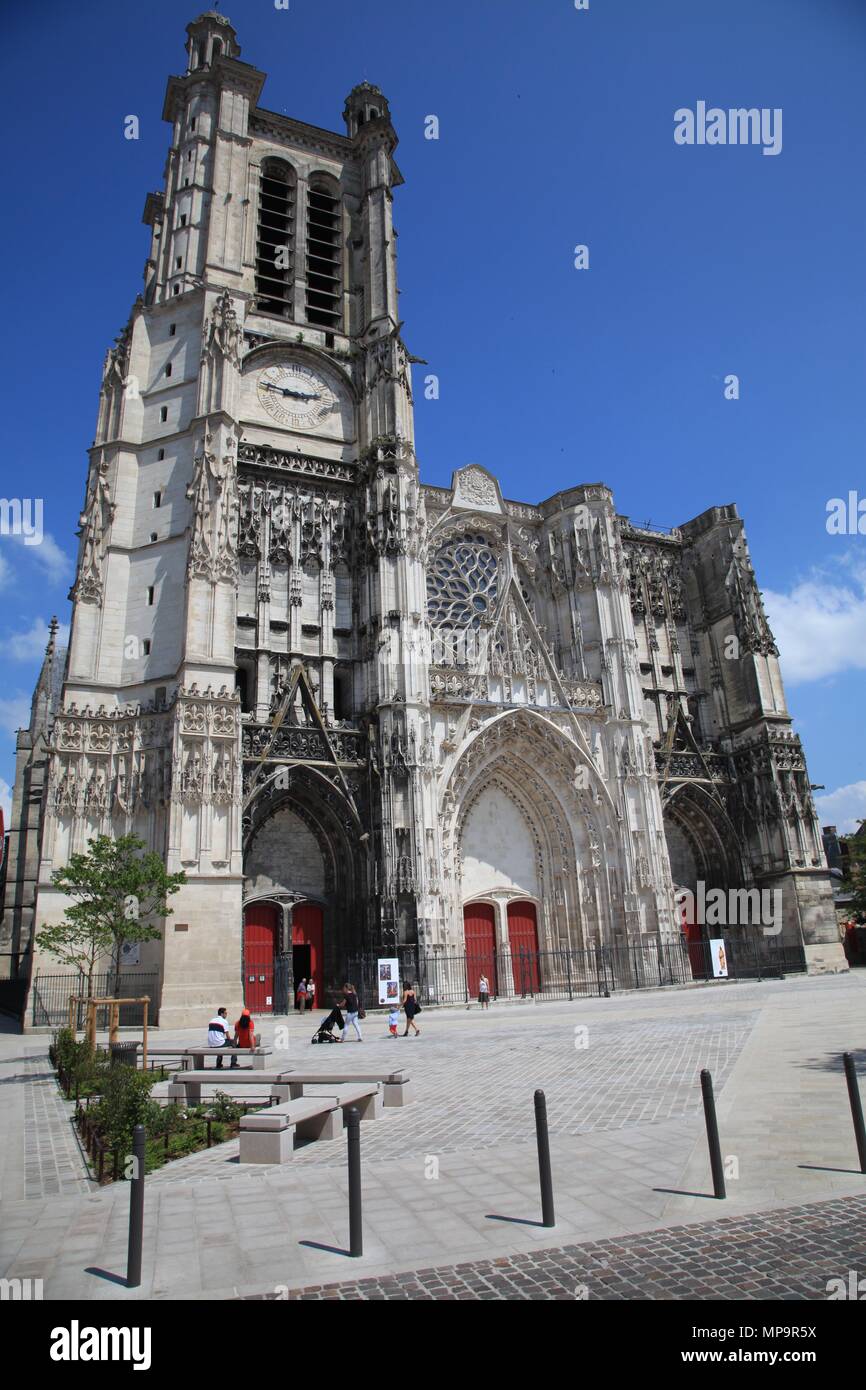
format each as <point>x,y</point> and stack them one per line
<point>301,997</point>
<point>311,994</point>
<point>411,1007</point>
<point>351,1006</point>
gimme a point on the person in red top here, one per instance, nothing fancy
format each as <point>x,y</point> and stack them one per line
<point>245,1033</point>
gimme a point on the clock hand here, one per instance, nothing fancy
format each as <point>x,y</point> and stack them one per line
<point>287,391</point>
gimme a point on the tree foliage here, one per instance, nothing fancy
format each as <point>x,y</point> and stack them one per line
<point>855,873</point>
<point>118,891</point>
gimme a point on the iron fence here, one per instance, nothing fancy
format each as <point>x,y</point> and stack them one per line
<point>49,998</point>
<point>452,978</point>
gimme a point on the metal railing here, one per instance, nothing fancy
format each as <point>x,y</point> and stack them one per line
<point>49,997</point>
<point>452,978</point>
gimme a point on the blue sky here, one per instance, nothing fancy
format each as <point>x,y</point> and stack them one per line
<point>556,129</point>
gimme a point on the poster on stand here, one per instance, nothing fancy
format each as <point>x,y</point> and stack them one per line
<point>389,980</point>
<point>719,959</point>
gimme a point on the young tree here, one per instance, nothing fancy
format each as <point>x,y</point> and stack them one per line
<point>855,872</point>
<point>118,891</point>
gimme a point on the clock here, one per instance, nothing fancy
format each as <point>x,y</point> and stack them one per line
<point>295,395</point>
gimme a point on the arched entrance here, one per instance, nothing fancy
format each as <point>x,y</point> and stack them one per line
<point>523,943</point>
<point>303,848</point>
<point>261,936</point>
<point>479,936</point>
<point>308,947</point>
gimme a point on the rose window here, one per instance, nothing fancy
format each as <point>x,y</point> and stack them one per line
<point>462,583</point>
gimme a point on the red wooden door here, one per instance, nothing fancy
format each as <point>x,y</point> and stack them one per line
<point>307,930</point>
<point>479,935</point>
<point>693,934</point>
<point>523,940</point>
<point>261,923</point>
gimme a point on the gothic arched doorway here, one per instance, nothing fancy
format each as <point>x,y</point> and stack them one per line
<point>303,849</point>
<point>523,943</point>
<point>261,941</point>
<point>479,937</point>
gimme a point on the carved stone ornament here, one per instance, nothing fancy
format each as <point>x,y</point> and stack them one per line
<point>475,488</point>
<point>223,333</point>
<point>214,496</point>
<point>94,521</point>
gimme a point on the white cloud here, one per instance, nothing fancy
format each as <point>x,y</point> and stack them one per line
<point>820,625</point>
<point>15,713</point>
<point>30,645</point>
<point>6,802</point>
<point>53,561</point>
<point>845,807</point>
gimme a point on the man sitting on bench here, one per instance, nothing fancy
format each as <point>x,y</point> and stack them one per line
<point>218,1035</point>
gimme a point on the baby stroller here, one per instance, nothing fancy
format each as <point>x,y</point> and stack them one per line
<point>324,1033</point>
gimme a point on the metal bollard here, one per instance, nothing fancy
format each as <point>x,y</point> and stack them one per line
<point>856,1108</point>
<point>713,1135</point>
<point>353,1131</point>
<point>544,1173</point>
<point>136,1210</point>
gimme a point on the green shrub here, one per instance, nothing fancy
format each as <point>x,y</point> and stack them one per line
<point>223,1108</point>
<point>165,1119</point>
<point>80,1066</point>
<point>125,1103</point>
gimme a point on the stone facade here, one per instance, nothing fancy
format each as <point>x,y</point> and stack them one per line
<point>305,678</point>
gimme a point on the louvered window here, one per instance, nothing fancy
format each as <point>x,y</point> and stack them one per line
<point>275,239</point>
<point>324,257</point>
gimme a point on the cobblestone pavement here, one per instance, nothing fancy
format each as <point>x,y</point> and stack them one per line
<point>628,1153</point>
<point>781,1255</point>
<point>53,1162</point>
<point>477,1076</point>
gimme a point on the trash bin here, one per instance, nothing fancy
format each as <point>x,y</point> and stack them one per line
<point>124,1054</point>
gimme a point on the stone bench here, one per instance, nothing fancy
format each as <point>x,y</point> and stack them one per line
<point>364,1095</point>
<point>186,1085</point>
<point>195,1055</point>
<point>269,1136</point>
<point>397,1089</point>
<point>192,1057</point>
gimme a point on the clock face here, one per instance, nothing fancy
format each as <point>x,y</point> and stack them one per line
<point>296,396</point>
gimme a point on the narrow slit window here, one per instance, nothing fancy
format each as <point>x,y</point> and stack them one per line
<point>324,289</point>
<point>275,239</point>
<point>168,369</point>
<point>145,646</point>
<point>157,499</point>
<point>163,414</point>
<point>150,593</point>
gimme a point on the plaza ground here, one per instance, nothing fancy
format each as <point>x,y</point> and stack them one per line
<point>451,1182</point>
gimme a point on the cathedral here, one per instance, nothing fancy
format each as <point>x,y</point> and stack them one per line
<point>363,714</point>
